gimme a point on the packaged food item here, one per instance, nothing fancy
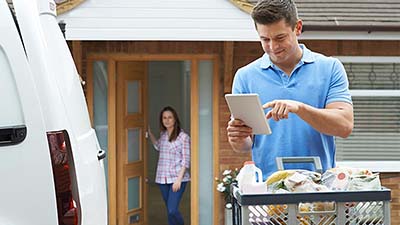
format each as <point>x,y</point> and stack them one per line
<point>304,181</point>
<point>336,179</point>
<point>279,175</point>
<point>364,182</point>
<point>250,179</point>
<point>352,179</point>
<point>295,181</point>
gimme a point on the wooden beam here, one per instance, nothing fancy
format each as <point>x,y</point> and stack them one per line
<point>216,139</point>
<point>194,145</point>
<point>112,142</point>
<point>228,66</point>
<point>77,55</point>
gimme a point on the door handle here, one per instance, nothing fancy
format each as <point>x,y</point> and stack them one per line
<point>101,154</point>
<point>12,135</point>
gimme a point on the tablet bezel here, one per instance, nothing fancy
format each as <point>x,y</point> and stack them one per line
<point>248,108</point>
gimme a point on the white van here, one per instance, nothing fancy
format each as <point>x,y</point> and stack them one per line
<point>51,165</point>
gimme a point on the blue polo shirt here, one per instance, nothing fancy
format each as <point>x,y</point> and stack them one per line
<point>317,80</point>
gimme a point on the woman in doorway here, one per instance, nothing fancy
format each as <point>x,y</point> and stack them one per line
<point>173,162</point>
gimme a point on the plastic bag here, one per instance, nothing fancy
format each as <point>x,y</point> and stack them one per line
<point>364,182</point>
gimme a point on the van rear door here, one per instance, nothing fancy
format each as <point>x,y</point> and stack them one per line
<point>27,193</point>
<point>64,105</point>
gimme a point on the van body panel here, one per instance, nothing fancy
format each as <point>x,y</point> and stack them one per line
<point>85,148</point>
<point>66,76</point>
<point>56,104</point>
<point>89,171</point>
<point>27,194</point>
<point>35,46</point>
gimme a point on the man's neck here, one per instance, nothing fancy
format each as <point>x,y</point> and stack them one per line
<point>290,64</point>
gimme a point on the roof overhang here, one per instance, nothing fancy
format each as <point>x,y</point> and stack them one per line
<point>336,15</point>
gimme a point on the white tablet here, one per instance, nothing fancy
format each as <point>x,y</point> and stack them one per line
<point>248,108</point>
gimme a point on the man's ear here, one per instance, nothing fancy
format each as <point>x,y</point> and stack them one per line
<point>299,27</point>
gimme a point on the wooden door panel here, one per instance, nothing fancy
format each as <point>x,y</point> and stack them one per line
<point>131,147</point>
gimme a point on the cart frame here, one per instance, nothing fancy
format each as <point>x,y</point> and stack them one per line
<point>379,199</point>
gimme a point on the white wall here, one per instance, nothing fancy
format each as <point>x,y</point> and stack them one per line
<point>177,20</point>
<point>158,20</point>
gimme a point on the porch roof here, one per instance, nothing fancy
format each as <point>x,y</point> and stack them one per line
<point>219,20</point>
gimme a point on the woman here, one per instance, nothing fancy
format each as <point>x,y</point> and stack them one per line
<point>173,162</point>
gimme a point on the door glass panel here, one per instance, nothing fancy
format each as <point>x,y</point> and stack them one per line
<point>205,142</point>
<point>133,97</point>
<point>100,106</point>
<point>133,145</point>
<point>133,193</point>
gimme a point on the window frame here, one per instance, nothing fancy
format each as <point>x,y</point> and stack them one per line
<point>378,166</point>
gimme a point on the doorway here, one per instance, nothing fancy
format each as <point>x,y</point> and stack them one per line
<point>168,85</point>
<point>189,83</point>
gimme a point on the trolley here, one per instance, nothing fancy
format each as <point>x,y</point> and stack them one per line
<point>315,208</point>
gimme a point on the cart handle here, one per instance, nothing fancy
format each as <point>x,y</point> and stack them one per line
<point>308,159</point>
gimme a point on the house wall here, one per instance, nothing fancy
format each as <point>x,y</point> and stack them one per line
<point>194,20</point>
<point>158,20</point>
<point>243,53</point>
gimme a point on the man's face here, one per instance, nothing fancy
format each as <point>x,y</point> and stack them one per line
<point>279,40</point>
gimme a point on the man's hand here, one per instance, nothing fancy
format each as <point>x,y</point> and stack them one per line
<point>335,119</point>
<point>237,130</point>
<point>239,135</point>
<point>281,108</point>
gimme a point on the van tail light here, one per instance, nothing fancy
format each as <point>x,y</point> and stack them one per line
<point>64,178</point>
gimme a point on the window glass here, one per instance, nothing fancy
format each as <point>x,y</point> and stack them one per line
<point>375,87</point>
<point>205,148</point>
<point>100,106</point>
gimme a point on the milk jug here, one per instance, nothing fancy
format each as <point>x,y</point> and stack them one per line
<point>250,179</point>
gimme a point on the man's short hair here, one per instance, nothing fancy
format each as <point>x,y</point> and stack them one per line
<point>271,11</point>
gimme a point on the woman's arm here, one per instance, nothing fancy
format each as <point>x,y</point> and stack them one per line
<point>177,184</point>
<point>185,163</point>
<point>152,138</point>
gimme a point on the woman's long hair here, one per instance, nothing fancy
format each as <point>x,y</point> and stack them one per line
<point>177,125</point>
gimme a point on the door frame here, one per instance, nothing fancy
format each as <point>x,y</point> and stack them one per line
<point>111,59</point>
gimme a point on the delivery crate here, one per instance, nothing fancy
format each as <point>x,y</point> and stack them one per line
<point>316,208</point>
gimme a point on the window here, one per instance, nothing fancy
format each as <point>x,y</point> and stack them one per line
<point>375,89</point>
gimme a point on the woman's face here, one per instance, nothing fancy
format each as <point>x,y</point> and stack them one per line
<point>168,120</point>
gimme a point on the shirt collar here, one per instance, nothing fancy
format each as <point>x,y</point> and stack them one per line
<point>308,57</point>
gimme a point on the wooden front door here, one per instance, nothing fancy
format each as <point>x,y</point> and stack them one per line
<point>131,151</point>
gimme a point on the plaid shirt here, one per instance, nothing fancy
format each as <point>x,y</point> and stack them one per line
<point>173,156</point>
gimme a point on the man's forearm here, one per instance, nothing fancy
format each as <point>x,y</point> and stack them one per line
<point>336,119</point>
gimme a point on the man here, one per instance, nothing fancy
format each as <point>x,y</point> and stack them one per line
<point>306,94</point>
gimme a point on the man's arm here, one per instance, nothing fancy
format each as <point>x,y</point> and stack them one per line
<point>335,119</point>
<point>239,136</point>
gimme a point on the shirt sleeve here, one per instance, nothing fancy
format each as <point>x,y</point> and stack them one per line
<point>238,83</point>
<point>339,86</point>
<point>158,143</point>
<point>186,152</point>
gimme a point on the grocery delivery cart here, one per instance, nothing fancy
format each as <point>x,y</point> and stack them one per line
<point>315,208</point>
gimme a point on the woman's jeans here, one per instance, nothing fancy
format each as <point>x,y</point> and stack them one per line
<point>172,200</point>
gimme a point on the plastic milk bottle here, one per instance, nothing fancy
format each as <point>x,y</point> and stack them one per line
<point>250,179</point>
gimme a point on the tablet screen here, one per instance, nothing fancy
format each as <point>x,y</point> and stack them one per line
<point>248,108</point>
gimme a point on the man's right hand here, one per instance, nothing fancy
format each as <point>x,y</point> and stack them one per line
<point>239,135</point>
